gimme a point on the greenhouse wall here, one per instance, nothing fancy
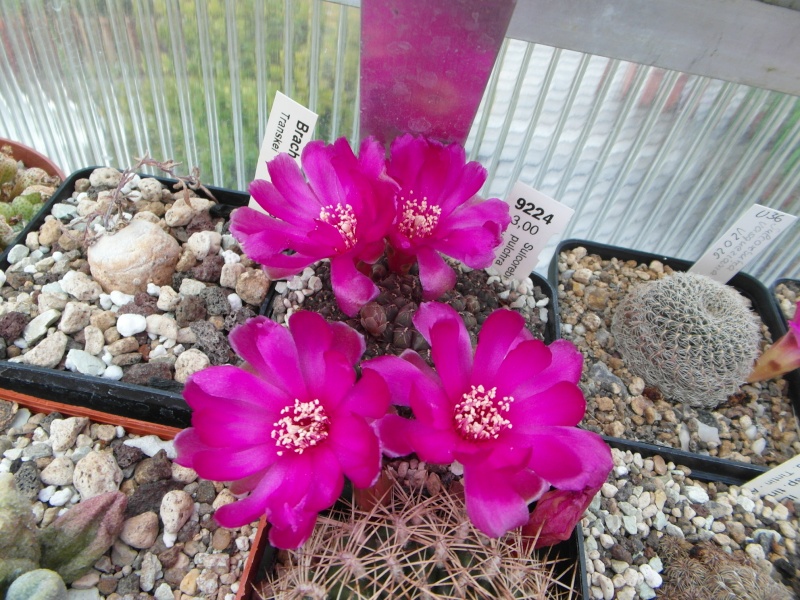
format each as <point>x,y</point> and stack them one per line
<point>654,151</point>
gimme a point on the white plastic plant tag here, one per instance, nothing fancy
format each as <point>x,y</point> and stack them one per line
<point>535,218</point>
<point>749,236</point>
<point>782,481</point>
<point>289,128</point>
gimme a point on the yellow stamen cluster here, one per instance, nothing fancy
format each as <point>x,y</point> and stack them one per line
<point>419,218</point>
<point>305,425</point>
<point>479,416</point>
<point>343,218</point>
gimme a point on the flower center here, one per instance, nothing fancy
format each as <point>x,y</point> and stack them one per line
<point>342,218</point>
<point>418,218</point>
<point>479,416</point>
<point>305,425</point>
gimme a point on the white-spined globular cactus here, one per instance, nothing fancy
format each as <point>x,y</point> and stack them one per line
<point>692,337</point>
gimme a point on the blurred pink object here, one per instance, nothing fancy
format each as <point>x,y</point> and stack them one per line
<point>424,65</point>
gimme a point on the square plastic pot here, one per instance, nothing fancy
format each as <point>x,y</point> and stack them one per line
<point>721,469</point>
<point>163,406</point>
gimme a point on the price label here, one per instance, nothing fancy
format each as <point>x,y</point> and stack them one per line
<point>754,231</point>
<point>782,481</point>
<point>289,128</point>
<point>535,218</point>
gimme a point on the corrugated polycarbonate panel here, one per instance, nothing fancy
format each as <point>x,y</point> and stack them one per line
<point>651,159</point>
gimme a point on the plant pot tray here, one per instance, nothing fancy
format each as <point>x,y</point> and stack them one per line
<point>143,428</point>
<point>782,399</point>
<point>148,403</point>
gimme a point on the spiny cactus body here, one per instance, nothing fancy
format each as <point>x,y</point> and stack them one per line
<point>411,546</point>
<point>692,337</point>
<point>706,571</point>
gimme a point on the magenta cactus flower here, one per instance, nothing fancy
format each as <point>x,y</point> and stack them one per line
<point>506,412</point>
<point>290,428</point>
<point>783,356</point>
<point>439,212</point>
<point>343,212</point>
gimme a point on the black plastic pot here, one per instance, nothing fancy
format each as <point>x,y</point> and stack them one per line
<point>717,469</point>
<point>163,406</point>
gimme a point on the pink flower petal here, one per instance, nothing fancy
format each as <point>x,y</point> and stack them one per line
<point>229,388</point>
<point>293,535</point>
<point>498,333</point>
<point>400,373</point>
<point>281,266</point>
<point>347,341</point>
<point>475,247</point>
<point>352,288</point>
<point>262,235</point>
<point>570,458</point>
<point>287,209</point>
<point>334,383</point>
<point>312,336</point>
<point>395,435</point>
<point>249,509</point>
<point>493,505</point>
<point>522,364</point>
<point>287,178</point>
<point>562,404</point>
<point>475,214</point>
<point>372,157</point>
<point>245,426</point>
<point>369,397</point>
<point>566,365</point>
<point>430,313</point>
<point>356,447</point>
<point>470,180</point>
<point>505,454</point>
<point>529,485</point>
<point>322,175</point>
<point>188,445</point>
<point>433,445</point>
<point>269,348</point>
<point>430,403</point>
<point>407,158</point>
<point>453,366</point>
<point>435,274</point>
<point>247,484</point>
<point>223,464</point>
<point>328,479</point>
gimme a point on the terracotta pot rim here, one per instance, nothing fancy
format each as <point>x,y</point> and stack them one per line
<point>33,158</point>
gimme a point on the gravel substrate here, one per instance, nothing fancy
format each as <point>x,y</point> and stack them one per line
<point>787,294</point>
<point>477,293</point>
<point>53,459</point>
<point>755,426</point>
<point>635,529</point>
<point>133,314</point>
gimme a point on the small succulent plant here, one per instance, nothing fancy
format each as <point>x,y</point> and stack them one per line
<point>411,544</point>
<point>22,193</point>
<point>706,572</point>
<point>692,337</point>
<point>69,546</point>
